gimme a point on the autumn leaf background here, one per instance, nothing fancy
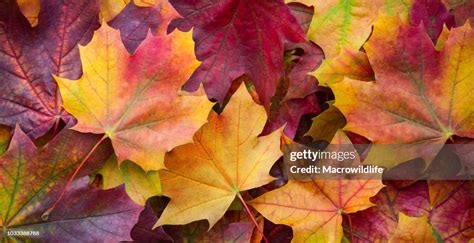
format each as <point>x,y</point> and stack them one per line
<point>165,120</point>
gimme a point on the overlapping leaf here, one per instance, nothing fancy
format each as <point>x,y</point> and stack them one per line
<point>143,230</point>
<point>354,64</point>
<point>462,11</point>
<point>303,13</point>
<point>377,223</point>
<point>86,214</point>
<point>30,9</point>
<point>111,8</point>
<point>433,14</point>
<point>349,63</point>
<point>29,57</point>
<point>326,124</point>
<point>51,166</point>
<point>135,100</point>
<point>234,226</point>
<point>27,94</point>
<point>300,84</point>
<point>420,95</point>
<point>31,180</point>
<point>412,229</point>
<point>232,40</point>
<point>134,22</point>
<point>287,108</point>
<point>289,114</point>
<point>452,216</point>
<point>226,157</point>
<point>139,185</point>
<point>339,24</point>
<point>314,208</point>
<point>409,84</point>
<point>411,213</point>
<point>62,26</point>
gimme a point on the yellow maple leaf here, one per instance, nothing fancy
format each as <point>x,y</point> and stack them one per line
<point>203,178</point>
<point>413,230</point>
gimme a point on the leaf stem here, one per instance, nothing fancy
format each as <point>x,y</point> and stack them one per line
<point>252,217</point>
<point>46,214</point>
<point>350,228</point>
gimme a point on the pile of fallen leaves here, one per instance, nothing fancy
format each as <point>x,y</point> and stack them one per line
<point>165,121</point>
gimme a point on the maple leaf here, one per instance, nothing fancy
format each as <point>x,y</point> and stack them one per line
<point>447,204</point>
<point>31,179</point>
<point>300,84</point>
<point>335,25</point>
<point>412,229</point>
<point>135,100</point>
<point>227,157</point>
<point>56,159</point>
<point>349,63</point>
<point>142,231</point>
<point>433,14</point>
<point>139,185</point>
<point>411,200</point>
<point>109,175</point>
<point>339,24</point>
<point>444,204</point>
<point>111,8</point>
<point>62,26</point>
<point>134,22</point>
<point>27,95</point>
<point>286,108</point>
<point>436,192</point>
<point>289,114</point>
<point>85,214</point>
<point>326,124</point>
<point>420,95</point>
<point>375,224</point>
<point>29,56</point>
<point>237,37</point>
<point>302,13</point>
<point>453,216</point>
<point>314,208</point>
<point>235,226</point>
